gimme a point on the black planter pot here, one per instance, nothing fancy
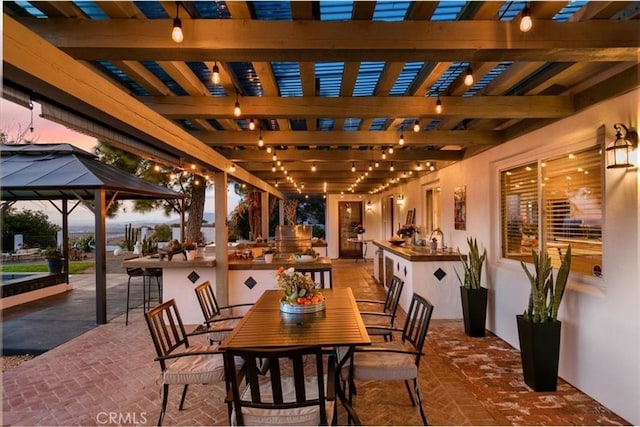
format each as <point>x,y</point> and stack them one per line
<point>540,352</point>
<point>54,266</point>
<point>474,310</point>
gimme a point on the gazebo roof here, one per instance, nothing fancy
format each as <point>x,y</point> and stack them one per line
<point>62,171</point>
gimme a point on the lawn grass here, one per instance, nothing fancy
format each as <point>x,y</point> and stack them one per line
<point>75,267</point>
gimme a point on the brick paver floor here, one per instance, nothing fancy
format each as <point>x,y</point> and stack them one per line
<point>107,376</point>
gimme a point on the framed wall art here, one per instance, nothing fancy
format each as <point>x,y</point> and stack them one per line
<point>460,207</point>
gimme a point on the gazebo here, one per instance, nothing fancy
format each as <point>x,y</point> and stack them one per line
<point>66,173</point>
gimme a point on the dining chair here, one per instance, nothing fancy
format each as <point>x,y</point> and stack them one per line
<point>294,391</point>
<point>180,362</point>
<point>318,275</point>
<point>395,360</point>
<point>219,320</point>
<point>385,316</point>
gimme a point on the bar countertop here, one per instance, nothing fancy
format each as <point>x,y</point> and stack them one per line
<point>322,263</point>
<point>177,261</point>
<point>418,253</point>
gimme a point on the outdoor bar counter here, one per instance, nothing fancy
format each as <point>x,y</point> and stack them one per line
<point>179,279</point>
<point>248,278</point>
<point>426,272</point>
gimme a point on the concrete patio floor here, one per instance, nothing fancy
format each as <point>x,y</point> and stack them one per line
<point>106,376</point>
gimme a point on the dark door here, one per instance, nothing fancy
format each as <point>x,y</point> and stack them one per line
<point>349,216</point>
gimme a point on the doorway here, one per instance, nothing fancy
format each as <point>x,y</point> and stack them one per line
<point>349,216</point>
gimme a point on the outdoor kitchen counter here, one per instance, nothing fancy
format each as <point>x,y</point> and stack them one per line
<point>431,274</point>
<point>235,263</point>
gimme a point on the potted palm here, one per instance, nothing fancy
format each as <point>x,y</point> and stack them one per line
<point>472,294</point>
<point>539,327</point>
<point>54,259</point>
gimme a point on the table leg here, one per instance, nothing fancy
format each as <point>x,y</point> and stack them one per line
<point>342,356</point>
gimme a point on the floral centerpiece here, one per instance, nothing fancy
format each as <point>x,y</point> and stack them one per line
<point>298,288</point>
<point>359,229</point>
<point>407,230</point>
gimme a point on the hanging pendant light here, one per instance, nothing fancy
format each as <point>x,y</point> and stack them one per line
<point>438,105</point>
<point>176,34</point>
<point>260,140</point>
<point>252,124</point>
<point>390,150</point>
<point>468,79</point>
<point>401,141</point>
<point>313,167</point>
<point>416,126</point>
<point>215,75</point>
<point>236,108</point>
<point>525,21</point>
<point>353,167</point>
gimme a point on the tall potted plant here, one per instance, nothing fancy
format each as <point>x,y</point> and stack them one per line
<point>472,294</point>
<point>539,327</point>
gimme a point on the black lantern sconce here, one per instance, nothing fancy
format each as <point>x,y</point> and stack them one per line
<point>619,151</point>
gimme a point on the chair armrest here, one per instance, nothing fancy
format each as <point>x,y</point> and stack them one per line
<point>374,313</point>
<point>200,330</point>
<point>221,319</point>
<point>369,301</point>
<point>249,304</point>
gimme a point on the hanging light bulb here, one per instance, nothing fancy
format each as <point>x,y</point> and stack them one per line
<point>260,140</point>
<point>401,141</point>
<point>525,21</point>
<point>438,105</point>
<point>176,34</point>
<point>252,124</point>
<point>353,167</point>
<point>416,126</point>
<point>215,75</point>
<point>269,149</point>
<point>233,167</point>
<point>236,108</point>
<point>370,167</point>
<point>468,79</point>
<point>384,154</point>
<point>276,185</point>
<point>313,167</point>
<point>391,168</point>
<point>377,164</point>
<point>390,150</point>
<point>275,156</point>
<point>273,168</point>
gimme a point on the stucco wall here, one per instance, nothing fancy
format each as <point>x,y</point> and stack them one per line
<point>600,346</point>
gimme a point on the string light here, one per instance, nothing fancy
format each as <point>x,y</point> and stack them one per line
<point>391,168</point>
<point>401,141</point>
<point>390,150</point>
<point>416,126</point>
<point>215,76</point>
<point>525,21</point>
<point>233,167</point>
<point>236,109</point>
<point>313,167</point>
<point>176,34</point>
<point>353,167</point>
<point>260,140</point>
<point>273,168</point>
<point>468,79</point>
<point>438,105</point>
<point>384,154</point>
<point>370,167</point>
<point>252,125</point>
<point>377,164</point>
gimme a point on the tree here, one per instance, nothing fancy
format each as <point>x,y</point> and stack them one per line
<point>191,185</point>
<point>33,225</point>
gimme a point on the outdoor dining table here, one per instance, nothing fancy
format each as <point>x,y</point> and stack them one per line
<point>339,325</point>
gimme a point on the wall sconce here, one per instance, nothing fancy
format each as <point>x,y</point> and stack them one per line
<point>400,200</point>
<point>618,151</point>
<point>369,206</point>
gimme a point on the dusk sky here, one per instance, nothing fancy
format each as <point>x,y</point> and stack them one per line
<point>15,119</point>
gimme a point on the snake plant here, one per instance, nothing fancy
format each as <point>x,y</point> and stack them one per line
<point>472,265</point>
<point>545,296</point>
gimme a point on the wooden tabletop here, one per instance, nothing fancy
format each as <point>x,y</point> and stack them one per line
<point>340,324</point>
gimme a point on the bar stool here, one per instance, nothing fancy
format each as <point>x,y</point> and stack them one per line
<point>147,274</point>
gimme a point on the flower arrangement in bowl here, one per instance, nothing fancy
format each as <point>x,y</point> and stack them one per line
<point>299,291</point>
<point>407,230</point>
<point>308,255</point>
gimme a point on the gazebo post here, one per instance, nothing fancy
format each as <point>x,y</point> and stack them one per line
<point>100,213</point>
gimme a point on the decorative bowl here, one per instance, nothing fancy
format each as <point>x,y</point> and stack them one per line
<point>304,258</point>
<point>285,307</point>
<point>396,242</point>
